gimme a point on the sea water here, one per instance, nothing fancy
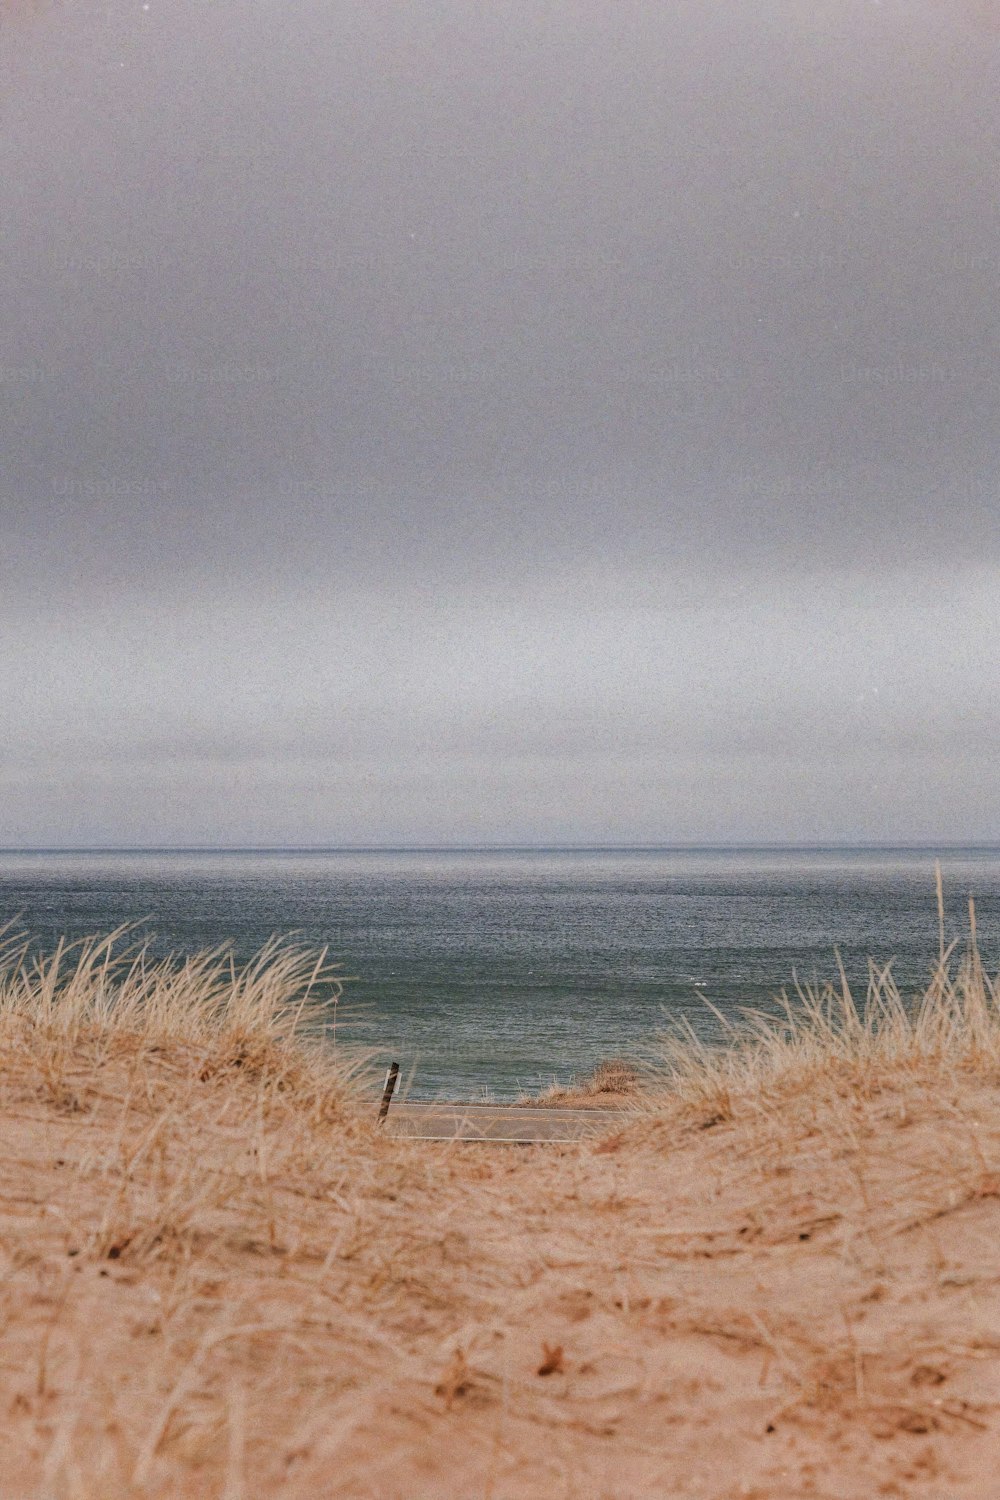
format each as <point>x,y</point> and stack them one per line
<point>486,973</point>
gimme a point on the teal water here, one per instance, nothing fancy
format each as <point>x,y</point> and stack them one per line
<point>497,971</point>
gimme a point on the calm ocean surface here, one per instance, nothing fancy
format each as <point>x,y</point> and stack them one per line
<point>493,972</point>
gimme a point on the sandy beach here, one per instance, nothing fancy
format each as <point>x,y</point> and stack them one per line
<point>221,1279</point>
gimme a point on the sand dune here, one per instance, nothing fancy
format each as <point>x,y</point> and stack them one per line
<point>781,1278</point>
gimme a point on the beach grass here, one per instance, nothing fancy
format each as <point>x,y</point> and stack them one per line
<point>775,1274</point>
<point>617,1081</point>
<point>826,1035</point>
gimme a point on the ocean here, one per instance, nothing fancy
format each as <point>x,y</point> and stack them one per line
<point>486,973</point>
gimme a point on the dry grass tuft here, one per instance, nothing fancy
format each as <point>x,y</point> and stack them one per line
<point>219,1279</point>
<point>103,999</point>
<point>827,1041</point>
<point>617,1080</point>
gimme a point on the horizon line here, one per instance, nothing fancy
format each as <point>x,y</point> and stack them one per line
<point>919,846</point>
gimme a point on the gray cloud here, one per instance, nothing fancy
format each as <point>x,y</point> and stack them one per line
<point>443,421</point>
<point>583,715</point>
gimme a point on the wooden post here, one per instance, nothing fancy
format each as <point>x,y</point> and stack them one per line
<point>391,1075</point>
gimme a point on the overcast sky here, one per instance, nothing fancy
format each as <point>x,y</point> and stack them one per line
<point>516,421</point>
